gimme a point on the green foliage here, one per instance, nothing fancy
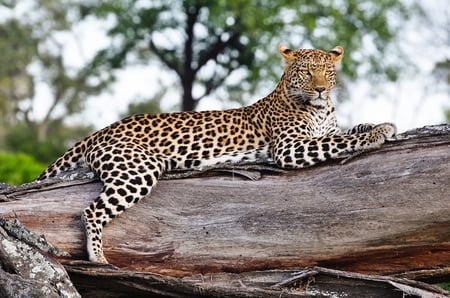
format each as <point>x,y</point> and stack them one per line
<point>151,105</point>
<point>148,106</point>
<point>17,44</point>
<point>441,72</point>
<point>22,138</point>
<point>18,47</point>
<point>18,168</point>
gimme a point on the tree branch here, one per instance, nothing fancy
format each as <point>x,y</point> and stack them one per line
<point>216,48</point>
<point>214,83</point>
<point>169,63</point>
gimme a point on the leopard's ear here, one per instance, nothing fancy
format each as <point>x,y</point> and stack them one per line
<point>337,53</point>
<point>287,54</point>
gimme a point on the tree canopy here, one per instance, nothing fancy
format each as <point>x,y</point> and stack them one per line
<point>222,47</point>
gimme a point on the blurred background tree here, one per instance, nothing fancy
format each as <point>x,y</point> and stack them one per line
<point>441,70</point>
<point>228,48</point>
<point>202,51</point>
<point>33,57</point>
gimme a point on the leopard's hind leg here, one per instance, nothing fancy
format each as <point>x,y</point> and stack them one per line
<point>127,177</point>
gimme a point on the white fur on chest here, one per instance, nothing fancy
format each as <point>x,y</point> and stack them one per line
<point>236,157</point>
<point>324,123</point>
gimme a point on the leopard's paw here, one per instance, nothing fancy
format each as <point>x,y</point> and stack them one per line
<point>388,130</point>
<point>361,128</point>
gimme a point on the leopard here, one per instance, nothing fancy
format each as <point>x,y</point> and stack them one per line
<point>294,127</point>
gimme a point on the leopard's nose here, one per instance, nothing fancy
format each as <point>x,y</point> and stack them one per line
<point>320,89</point>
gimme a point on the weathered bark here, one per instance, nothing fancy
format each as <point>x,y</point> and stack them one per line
<point>307,282</point>
<point>35,273</point>
<point>383,212</point>
<point>26,271</point>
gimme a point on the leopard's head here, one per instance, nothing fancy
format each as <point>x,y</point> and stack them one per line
<point>310,75</point>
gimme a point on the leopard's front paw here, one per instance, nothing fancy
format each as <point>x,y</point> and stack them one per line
<point>388,130</point>
<point>361,128</point>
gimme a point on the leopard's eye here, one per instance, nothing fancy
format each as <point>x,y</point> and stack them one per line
<point>329,73</point>
<point>305,72</point>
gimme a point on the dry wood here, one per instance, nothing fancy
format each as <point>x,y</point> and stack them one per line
<point>302,282</point>
<point>34,275</point>
<point>382,212</point>
<point>25,271</point>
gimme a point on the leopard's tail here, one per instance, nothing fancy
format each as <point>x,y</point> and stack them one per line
<point>72,159</point>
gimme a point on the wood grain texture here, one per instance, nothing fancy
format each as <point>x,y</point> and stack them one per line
<point>302,282</point>
<point>382,212</point>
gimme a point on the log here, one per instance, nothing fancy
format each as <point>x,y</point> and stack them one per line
<point>382,212</point>
<point>33,272</point>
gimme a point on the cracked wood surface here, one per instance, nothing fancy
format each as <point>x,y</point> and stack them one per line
<point>382,212</point>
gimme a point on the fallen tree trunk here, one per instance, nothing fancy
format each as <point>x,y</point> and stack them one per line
<point>384,212</point>
<point>31,271</point>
